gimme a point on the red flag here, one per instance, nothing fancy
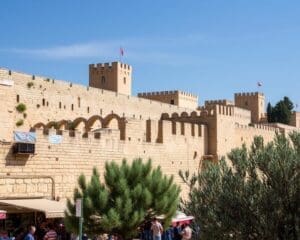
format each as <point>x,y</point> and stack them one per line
<point>121,51</point>
<point>259,84</point>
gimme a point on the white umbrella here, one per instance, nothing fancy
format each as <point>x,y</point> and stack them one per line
<point>181,217</point>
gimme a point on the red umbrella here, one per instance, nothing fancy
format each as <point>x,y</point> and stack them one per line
<point>2,214</point>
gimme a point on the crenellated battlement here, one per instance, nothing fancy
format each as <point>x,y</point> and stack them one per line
<point>188,94</point>
<point>166,93</point>
<point>219,102</point>
<point>179,129</point>
<point>248,94</point>
<point>217,109</point>
<point>145,94</point>
<point>256,127</point>
<point>176,97</point>
<point>192,115</point>
<point>110,66</point>
<point>225,110</point>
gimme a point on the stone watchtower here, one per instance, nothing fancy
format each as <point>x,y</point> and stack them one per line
<point>254,101</point>
<point>115,76</point>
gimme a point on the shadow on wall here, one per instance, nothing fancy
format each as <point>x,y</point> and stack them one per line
<point>12,159</point>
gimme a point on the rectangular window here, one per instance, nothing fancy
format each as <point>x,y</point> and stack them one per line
<point>78,102</point>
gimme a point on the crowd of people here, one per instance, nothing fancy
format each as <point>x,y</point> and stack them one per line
<point>154,231</point>
<point>48,232</point>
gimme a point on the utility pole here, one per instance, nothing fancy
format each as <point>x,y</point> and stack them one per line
<point>79,213</point>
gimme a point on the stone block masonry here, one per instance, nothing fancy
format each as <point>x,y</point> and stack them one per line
<point>103,122</point>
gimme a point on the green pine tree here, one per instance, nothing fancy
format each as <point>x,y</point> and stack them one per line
<point>253,195</point>
<point>130,195</point>
<point>282,111</point>
<point>270,112</point>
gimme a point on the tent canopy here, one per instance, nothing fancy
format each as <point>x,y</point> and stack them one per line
<point>52,209</point>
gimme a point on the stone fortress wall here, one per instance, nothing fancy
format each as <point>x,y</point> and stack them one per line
<point>49,100</point>
<point>179,98</point>
<point>99,125</point>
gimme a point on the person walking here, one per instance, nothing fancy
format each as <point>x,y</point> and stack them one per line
<point>177,231</point>
<point>169,233</point>
<point>30,234</point>
<point>157,229</point>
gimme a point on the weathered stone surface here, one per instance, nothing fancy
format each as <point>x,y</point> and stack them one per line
<point>110,126</point>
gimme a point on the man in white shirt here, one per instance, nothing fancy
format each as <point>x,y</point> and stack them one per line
<point>157,229</point>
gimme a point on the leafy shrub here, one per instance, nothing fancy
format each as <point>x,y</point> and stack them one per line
<point>21,107</point>
<point>20,122</point>
<point>30,84</point>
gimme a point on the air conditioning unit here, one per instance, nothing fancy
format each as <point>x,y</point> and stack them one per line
<point>24,148</point>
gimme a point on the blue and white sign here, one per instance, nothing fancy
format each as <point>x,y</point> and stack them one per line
<point>55,139</point>
<point>25,137</point>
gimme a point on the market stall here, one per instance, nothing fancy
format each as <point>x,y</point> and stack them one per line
<point>19,213</point>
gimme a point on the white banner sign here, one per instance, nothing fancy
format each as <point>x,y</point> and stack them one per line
<point>6,82</point>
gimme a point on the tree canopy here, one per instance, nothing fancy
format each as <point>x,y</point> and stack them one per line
<point>281,112</point>
<point>130,195</point>
<point>255,194</point>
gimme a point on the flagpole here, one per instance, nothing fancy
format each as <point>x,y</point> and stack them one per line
<point>121,53</point>
<point>259,85</point>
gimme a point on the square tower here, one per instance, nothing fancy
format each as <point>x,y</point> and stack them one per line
<point>253,101</point>
<point>295,119</point>
<point>115,76</point>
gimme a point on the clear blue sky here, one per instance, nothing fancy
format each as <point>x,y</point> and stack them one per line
<point>208,47</point>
